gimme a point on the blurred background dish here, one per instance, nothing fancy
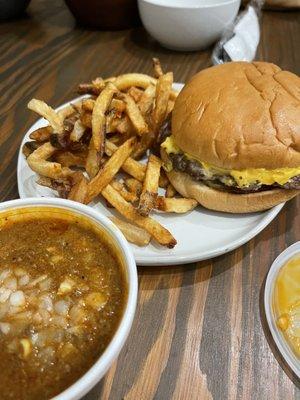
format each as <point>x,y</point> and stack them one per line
<point>282,292</point>
<point>12,8</point>
<point>105,14</point>
<point>187,24</point>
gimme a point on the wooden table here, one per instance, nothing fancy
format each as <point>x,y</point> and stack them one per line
<point>199,331</point>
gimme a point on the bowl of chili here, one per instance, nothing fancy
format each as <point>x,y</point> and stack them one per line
<point>68,292</point>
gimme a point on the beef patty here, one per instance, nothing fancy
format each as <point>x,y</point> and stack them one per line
<point>223,181</point>
<point>218,181</point>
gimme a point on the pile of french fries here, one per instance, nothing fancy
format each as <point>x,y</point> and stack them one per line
<point>92,148</point>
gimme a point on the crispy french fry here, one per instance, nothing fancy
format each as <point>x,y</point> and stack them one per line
<point>44,181</point>
<point>86,88</point>
<point>110,147</point>
<point>98,83</point>
<point>111,123</point>
<point>110,169</point>
<point>156,230</point>
<point>157,67</point>
<point>170,191</point>
<point>78,131</point>
<point>88,104</point>
<point>132,233</point>
<point>116,104</point>
<point>120,187</point>
<point>110,79</point>
<point>124,126</point>
<point>69,159</point>
<point>98,117</point>
<point>37,161</point>
<point>130,166</point>
<point>117,140</point>
<point>79,189</point>
<point>135,93</point>
<point>125,81</point>
<point>135,115</point>
<point>119,125</point>
<point>86,119</point>
<point>163,180</point>
<point>61,185</point>
<point>54,119</point>
<point>30,147</point>
<point>143,145</point>
<point>41,134</point>
<point>95,87</point>
<point>150,186</point>
<point>134,186</point>
<point>163,91</point>
<point>147,100</point>
<point>77,106</point>
<point>175,205</point>
<point>68,111</point>
<point>170,107</point>
<point>92,163</point>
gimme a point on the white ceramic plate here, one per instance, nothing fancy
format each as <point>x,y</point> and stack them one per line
<point>200,234</point>
<point>278,337</point>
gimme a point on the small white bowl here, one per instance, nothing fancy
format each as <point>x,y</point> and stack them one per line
<point>187,24</point>
<point>279,339</point>
<point>96,372</point>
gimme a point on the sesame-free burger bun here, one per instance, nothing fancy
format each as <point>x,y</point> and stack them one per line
<point>240,115</point>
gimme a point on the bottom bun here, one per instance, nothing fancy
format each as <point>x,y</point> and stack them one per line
<point>218,200</point>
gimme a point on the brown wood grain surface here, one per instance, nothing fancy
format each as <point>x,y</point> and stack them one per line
<point>199,331</point>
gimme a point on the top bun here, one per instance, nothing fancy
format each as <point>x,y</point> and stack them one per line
<point>240,115</point>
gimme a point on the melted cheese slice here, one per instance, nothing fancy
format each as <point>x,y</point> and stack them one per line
<point>286,302</point>
<point>245,177</point>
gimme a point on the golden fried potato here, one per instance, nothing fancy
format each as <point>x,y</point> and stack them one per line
<point>132,233</point>
<point>37,161</point>
<point>156,230</point>
<point>135,115</point>
<point>41,134</point>
<point>162,95</point>
<point>170,191</point>
<point>150,186</point>
<point>125,81</point>
<point>157,67</point>
<point>79,189</point>
<point>110,169</point>
<point>92,163</point>
<point>127,195</point>
<point>102,104</point>
<point>175,205</point>
<point>130,166</point>
<point>47,112</point>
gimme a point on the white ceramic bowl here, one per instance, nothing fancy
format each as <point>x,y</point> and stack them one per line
<point>187,24</point>
<point>277,335</point>
<point>96,372</point>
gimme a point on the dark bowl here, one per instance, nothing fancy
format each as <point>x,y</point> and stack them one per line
<point>12,8</point>
<point>105,14</point>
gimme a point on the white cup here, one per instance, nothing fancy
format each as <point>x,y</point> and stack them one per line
<point>187,25</point>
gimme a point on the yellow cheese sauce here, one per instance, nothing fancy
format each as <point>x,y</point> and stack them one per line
<point>286,302</point>
<point>244,177</point>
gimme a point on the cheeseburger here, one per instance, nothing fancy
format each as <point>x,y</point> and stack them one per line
<point>234,139</point>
